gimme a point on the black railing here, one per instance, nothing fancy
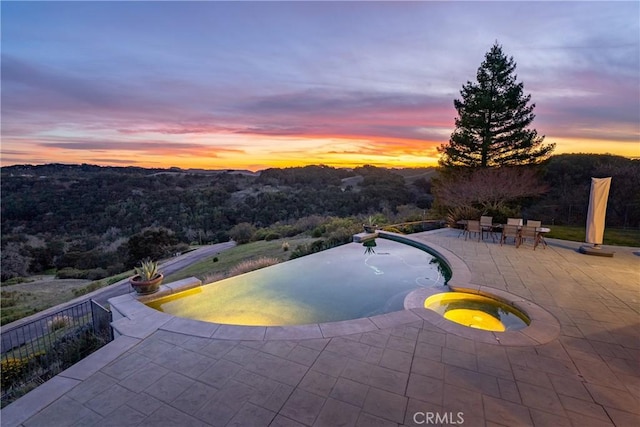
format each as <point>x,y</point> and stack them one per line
<point>39,350</point>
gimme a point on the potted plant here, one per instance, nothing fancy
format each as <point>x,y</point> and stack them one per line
<point>147,279</point>
<point>370,227</point>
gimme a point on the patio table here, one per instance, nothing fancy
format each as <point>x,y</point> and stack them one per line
<point>540,232</point>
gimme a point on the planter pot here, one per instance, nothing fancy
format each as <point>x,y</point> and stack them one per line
<point>369,245</point>
<point>147,287</point>
<point>369,228</point>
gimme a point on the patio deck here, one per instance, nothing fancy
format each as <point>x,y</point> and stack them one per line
<point>405,372</point>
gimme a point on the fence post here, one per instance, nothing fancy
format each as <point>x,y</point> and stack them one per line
<point>101,319</point>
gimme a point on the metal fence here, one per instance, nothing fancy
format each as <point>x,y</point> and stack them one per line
<point>39,350</point>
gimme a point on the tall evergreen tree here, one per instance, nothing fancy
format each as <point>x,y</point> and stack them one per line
<point>493,119</point>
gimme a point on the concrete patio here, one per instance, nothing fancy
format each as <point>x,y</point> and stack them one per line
<point>403,370</point>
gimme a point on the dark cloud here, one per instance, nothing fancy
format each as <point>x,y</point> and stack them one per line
<point>326,103</point>
<point>52,85</point>
<point>154,147</point>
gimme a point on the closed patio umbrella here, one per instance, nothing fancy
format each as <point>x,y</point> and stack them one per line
<point>596,215</point>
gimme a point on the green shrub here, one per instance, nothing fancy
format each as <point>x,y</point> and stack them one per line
<point>299,251</point>
<point>96,274</point>
<point>310,248</point>
<point>261,233</point>
<point>70,273</point>
<point>8,298</point>
<point>13,371</point>
<point>87,289</point>
<point>11,314</point>
<point>14,281</point>
<point>115,269</point>
<point>115,279</point>
<point>72,348</point>
<point>339,237</point>
<point>242,233</point>
<point>271,236</point>
<point>318,231</point>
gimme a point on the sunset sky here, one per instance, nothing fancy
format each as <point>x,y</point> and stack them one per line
<point>250,85</point>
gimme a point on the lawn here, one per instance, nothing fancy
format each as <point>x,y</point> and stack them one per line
<point>612,236</point>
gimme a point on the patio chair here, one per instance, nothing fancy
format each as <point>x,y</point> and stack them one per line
<point>510,230</point>
<point>514,221</point>
<point>533,223</point>
<point>486,223</point>
<point>473,226</point>
<point>529,232</point>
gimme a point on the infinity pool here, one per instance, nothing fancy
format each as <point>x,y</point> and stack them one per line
<point>347,282</point>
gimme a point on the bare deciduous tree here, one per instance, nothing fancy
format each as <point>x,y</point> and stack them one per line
<point>488,190</point>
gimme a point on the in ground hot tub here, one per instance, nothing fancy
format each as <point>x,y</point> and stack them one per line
<point>477,311</point>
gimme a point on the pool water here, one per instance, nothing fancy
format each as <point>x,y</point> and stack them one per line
<point>347,282</point>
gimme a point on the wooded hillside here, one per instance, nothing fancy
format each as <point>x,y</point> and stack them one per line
<point>84,216</point>
<point>92,222</point>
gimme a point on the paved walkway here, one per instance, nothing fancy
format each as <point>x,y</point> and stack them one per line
<point>413,373</point>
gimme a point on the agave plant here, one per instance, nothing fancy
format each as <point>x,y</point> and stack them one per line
<point>148,270</point>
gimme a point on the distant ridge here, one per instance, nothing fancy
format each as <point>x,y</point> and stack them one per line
<point>154,171</point>
<point>408,172</point>
<point>231,171</point>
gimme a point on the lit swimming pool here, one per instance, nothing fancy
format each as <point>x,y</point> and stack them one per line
<point>348,282</point>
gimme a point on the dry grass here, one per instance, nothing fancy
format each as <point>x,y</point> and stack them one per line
<point>213,277</point>
<point>240,268</point>
<point>59,322</point>
<point>251,265</point>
